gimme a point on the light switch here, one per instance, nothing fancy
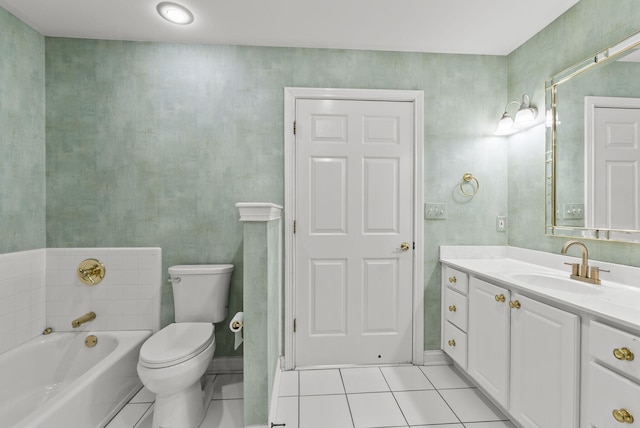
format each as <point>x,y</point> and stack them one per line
<point>435,211</point>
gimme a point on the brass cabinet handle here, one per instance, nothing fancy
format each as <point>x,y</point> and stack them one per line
<point>622,416</point>
<point>514,304</point>
<point>452,342</point>
<point>500,298</point>
<point>623,354</point>
<point>452,308</point>
<point>453,279</point>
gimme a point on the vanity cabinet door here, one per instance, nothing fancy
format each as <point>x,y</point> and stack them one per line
<point>488,338</point>
<point>545,359</point>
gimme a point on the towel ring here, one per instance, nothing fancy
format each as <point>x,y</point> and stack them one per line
<point>468,178</point>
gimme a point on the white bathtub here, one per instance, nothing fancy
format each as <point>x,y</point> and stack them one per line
<point>55,381</point>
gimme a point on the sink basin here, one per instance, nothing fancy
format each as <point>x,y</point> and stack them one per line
<point>555,282</point>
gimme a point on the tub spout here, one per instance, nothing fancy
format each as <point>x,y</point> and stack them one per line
<point>89,316</point>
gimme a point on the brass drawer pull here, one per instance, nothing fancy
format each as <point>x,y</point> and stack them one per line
<point>453,279</point>
<point>623,416</point>
<point>452,342</point>
<point>500,298</point>
<point>514,304</point>
<point>452,308</point>
<point>623,354</point>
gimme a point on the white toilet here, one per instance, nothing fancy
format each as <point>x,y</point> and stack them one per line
<point>173,361</point>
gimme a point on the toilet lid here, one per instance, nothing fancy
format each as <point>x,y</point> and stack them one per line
<point>176,343</point>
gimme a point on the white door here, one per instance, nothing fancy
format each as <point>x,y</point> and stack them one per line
<point>353,212</point>
<point>613,167</point>
<point>544,357</point>
<point>489,338</point>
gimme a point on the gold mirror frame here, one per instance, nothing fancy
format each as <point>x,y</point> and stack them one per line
<point>599,59</point>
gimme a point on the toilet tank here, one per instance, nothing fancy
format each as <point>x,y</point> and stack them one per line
<point>201,292</point>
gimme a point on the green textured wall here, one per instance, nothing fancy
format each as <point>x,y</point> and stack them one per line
<point>153,144</point>
<point>22,136</point>
<point>586,28</point>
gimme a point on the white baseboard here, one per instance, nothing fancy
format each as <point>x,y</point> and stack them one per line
<point>436,358</point>
<point>225,365</point>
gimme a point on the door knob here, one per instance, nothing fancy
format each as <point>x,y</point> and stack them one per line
<point>404,246</point>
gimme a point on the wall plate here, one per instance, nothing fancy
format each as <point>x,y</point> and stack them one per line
<point>435,211</point>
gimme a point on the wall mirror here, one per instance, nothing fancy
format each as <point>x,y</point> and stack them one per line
<point>593,146</point>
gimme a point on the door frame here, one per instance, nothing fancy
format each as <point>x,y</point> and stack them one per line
<point>291,95</point>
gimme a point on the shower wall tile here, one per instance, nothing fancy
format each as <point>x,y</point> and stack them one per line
<point>22,297</point>
<point>22,136</point>
<point>128,298</point>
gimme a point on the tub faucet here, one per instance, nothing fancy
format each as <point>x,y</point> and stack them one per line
<point>89,316</point>
<point>582,271</point>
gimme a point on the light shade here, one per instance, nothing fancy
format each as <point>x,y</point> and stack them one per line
<point>525,117</point>
<point>175,13</point>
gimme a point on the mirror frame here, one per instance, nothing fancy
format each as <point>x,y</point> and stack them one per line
<point>599,59</point>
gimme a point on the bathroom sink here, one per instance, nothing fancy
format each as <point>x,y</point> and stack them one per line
<point>555,282</point>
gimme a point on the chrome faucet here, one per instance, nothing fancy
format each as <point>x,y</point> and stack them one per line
<point>89,316</point>
<point>582,271</point>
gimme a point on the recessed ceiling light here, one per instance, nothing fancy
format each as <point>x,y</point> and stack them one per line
<point>175,13</point>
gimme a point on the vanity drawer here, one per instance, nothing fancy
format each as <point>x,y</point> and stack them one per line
<point>456,309</point>
<point>455,279</point>
<point>609,393</point>
<point>617,349</point>
<point>455,344</point>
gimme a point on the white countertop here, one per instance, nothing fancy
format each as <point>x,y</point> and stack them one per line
<point>617,299</point>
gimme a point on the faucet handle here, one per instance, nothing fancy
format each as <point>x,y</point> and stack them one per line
<point>594,273</point>
<point>575,268</point>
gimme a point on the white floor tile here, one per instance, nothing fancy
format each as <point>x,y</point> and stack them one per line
<point>405,378</point>
<point>287,412</point>
<point>445,377</point>
<point>147,419</point>
<point>471,406</point>
<point>144,396</point>
<point>377,409</point>
<point>424,408</point>
<point>228,386</point>
<point>224,414</point>
<point>129,415</point>
<point>500,424</point>
<point>439,426</point>
<point>288,384</point>
<point>319,382</point>
<point>323,411</point>
<point>367,379</point>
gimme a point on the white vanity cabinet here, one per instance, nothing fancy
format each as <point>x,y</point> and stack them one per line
<point>524,354</point>
<point>613,377</point>
<point>455,286</point>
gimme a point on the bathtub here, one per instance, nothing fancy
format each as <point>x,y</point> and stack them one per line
<point>56,381</point>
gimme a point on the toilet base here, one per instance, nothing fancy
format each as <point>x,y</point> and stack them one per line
<point>184,409</point>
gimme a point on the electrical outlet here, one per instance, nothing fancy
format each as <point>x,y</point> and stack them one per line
<point>501,223</point>
<point>435,211</point>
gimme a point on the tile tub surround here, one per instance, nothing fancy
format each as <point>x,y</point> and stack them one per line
<point>617,299</point>
<point>128,298</point>
<point>22,297</point>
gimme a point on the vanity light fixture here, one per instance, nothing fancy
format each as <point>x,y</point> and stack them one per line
<point>525,117</point>
<point>175,13</point>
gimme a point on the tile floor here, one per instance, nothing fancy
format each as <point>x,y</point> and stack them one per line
<point>371,397</point>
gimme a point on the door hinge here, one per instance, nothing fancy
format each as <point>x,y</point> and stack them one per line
<point>414,245</point>
<point>294,127</point>
<point>294,325</point>
<point>294,226</point>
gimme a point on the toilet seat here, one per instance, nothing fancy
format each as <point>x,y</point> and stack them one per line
<point>176,343</point>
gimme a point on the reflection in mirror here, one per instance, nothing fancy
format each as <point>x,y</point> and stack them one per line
<point>593,146</point>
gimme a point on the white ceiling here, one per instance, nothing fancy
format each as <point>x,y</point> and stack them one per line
<point>493,27</point>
